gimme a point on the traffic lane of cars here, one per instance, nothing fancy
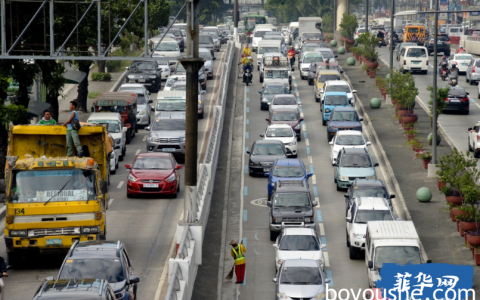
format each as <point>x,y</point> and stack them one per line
<point>455,124</point>
<point>146,225</point>
<point>260,255</point>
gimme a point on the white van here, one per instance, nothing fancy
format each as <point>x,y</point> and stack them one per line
<point>267,46</point>
<point>258,36</point>
<point>414,59</point>
<point>391,242</point>
<point>168,48</point>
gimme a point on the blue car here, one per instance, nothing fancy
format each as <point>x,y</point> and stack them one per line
<point>351,164</point>
<point>286,169</point>
<point>330,101</point>
<point>343,118</point>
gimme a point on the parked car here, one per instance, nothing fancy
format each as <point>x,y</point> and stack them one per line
<point>108,260</point>
<point>343,119</point>
<point>286,169</point>
<point>298,243</point>
<point>285,134</point>
<point>458,100</point>
<point>289,116</point>
<point>301,279</point>
<point>352,164</point>
<point>473,72</point>
<point>262,155</point>
<point>269,90</point>
<point>153,173</point>
<point>146,73</point>
<point>346,139</point>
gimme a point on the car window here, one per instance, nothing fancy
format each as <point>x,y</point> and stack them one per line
<point>169,125</point>
<point>477,64</point>
<point>205,39</point>
<point>301,276</point>
<point>327,54</point>
<point>397,255</point>
<point>463,57</point>
<point>259,33</point>
<point>457,91</point>
<point>299,243</point>
<point>268,149</point>
<point>336,100</point>
<point>356,161</point>
<point>291,200</point>
<point>349,140</point>
<point>112,125</point>
<point>167,47</point>
<point>276,74</point>
<point>284,116</point>
<point>326,77</point>
<point>285,101</point>
<point>274,89</point>
<point>153,163</point>
<point>312,58</point>
<point>279,132</point>
<point>363,216</point>
<point>344,116</point>
<point>109,269</point>
<point>142,66</point>
<point>369,191</point>
<point>288,171</point>
<point>177,105</point>
<point>416,52</point>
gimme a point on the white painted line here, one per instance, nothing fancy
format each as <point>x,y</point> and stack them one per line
<point>298,95</point>
<point>322,229</point>
<point>138,151</point>
<point>301,115</point>
<point>310,160</point>
<point>295,85</point>
<point>165,267</point>
<point>120,185</point>
<point>307,142</point>
<point>327,261</point>
<point>144,138</point>
<point>314,179</point>
<point>110,202</point>
<point>318,201</point>
<point>304,127</point>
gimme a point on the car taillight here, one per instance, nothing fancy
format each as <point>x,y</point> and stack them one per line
<point>473,69</point>
<point>455,62</point>
<point>465,99</point>
<point>404,62</point>
<point>446,99</point>
<point>427,62</point>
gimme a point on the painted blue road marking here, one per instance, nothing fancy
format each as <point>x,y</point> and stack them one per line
<point>296,90</point>
<point>329,276</point>
<point>245,191</point>
<point>246,169</point>
<point>300,109</point>
<point>319,216</point>
<point>246,135</point>
<point>315,191</point>
<point>248,99</point>
<point>246,149</point>
<point>248,109</point>
<point>303,122</point>
<point>471,99</point>
<point>311,169</point>
<point>248,90</point>
<point>245,217</point>
<point>247,122</point>
<point>308,150</point>
<point>298,99</point>
<point>305,135</point>
<point>324,242</point>
<point>244,240</point>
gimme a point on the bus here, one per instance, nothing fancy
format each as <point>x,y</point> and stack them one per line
<point>251,20</point>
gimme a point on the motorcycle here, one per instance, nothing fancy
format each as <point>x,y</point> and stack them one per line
<point>381,42</point>
<point>444,73</point>
<point>453,82</point>
<point>247,76</point>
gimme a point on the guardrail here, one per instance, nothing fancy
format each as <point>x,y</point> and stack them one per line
<point>182,269</point>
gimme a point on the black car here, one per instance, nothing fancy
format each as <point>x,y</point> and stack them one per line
<point>458,100</point>
<point>367,188</point>
<point>76,288</point>
<point>290,205</point>
<point>147,73</point>
<point>270,90</point>
<point>262,155</point>
<point>443,44</point>
<point>104,260</point>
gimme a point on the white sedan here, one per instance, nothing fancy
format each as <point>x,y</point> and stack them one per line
<point>298,243</point>
<point>283,133</point>
<point>461,60</point>
<point>339,86</point>
<point>114,158</point>
<point>346,139</point>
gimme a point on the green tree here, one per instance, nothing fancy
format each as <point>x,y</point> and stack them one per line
<point>158,13</point>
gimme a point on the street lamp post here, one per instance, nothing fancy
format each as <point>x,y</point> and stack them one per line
<point>434,102</point>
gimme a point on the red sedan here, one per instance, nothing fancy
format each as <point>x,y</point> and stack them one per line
<point>153,173</point>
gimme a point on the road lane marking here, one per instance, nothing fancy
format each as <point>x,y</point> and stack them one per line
<point>295,85</point>
<point>311,169</point>
<point>138,151</point>
<point>247,122</point>
<point>245,215</point>
<point>308,150</point>
<point>248,90</point>
<point>298,95</point>
<point>310,159</point>
<point>329,276</point>
<point>318,201</point>
<point>319,216</point>
<point>315,191</point>
<point>246,169</point>
<point>301,115</point>
<point>305,135</point>
<point>296,91</point>
<point>120,184</point>
<point>246,135</point>
<point>327,260</point>
<point>322,228</point>
<point>144,138</point>
<point>248,109</point>
<point>314,179</point>
<point>307,142</point>
<point>246,149</point>
<point>245,190</point>
<point>248,99</point>
<point>304,127</point>
<point>110,202</point>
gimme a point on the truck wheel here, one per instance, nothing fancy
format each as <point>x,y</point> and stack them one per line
<point>129,137</point>
<point>353,253</point>
<point>13,259</point>
<point>273,235</point>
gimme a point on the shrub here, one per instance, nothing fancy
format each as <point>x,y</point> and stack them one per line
<point>101,76</point>
<point>113,65</point>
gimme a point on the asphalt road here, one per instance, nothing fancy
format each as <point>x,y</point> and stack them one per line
<point>454,124</point>
<point>147,226</point>
<point>314,150</point>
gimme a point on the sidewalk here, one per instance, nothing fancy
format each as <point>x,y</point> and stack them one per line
<point>442,242</point>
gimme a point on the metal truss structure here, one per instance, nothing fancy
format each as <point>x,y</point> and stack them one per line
<point>59,54</point>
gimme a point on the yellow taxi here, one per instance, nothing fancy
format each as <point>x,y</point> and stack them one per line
<point>321,78</point>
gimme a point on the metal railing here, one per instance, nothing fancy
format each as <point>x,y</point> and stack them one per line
<point>473,38</point>
<point>174,280</point>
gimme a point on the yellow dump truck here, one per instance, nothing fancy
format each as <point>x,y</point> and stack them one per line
<point>54,200</point>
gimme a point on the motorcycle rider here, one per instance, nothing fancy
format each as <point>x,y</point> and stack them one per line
<point>291,55</point>
<point>461,50</point>
<point>246,51</point>
<point>246,65</point>
<point>453,73</point>
<point>441,63</point>
<point>414,38</point>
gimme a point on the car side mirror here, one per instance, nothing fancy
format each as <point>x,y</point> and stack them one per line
<point>269,203</point>
<point>315,203</point>
<point>327,280</point>
<point>150,101</point>
<point>330,143</point>
<point>346,195</point>
<point>214,58</point>
<point>134,279</point>
<point>467,93</point>
<point>147,128</point>
<point>267,119</point>
<point>375,165</point>
<point>92,109</point>
<point>360,120</point>
<point>323,101</point>
<point>336,56</point>
<point>392,196</point>
<point>126,68</point>
<point>469,128</point>
<point>117,147</point>
<point>309,175</point>
<point>341,72</point>
<point>299,103</point>
<point>369,143</point>
<point>348,219</point>
<point>128,166</point>
<point>274,280</point>
<point>262,135</point>
<point>259,92</point>
<point>370,264</point>
<point>103,186</point>
<point>354,91</point>
<point>335,165</point>
<point>178,167</point>
<point>275,246</point>
<point>429,261</point>
<point>124,129</point>
<point>248,152</point>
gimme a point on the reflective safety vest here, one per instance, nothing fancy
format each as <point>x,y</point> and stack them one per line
<point>247,52</point>
<point>239,258</point>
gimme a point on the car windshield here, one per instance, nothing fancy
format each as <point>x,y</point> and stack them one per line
<point>369,191</point>
<point>177,105</point>
<point>284,116</point>
<point>349,140</point>
<point>205,39</point>
<point>119,109</point>
<point>276,74</point>
<point>416,52</point>
<point>356,161</point>
<point>137,90</point>
<point>112,126</point>
<point>268,149</point>
<point>336,100</point>
<point>344,116</point>
<point>172,80</point>
<point>325,77</point>
<point>169,125</point>
<point>338,88</point>
<point>399,255</point>
<point>327,54</point>
<point>312,58</point>
<point>285,101</point>
<point>363,216</point>
<point>142,66</point>
<point>267,50</point>
<point>141,99</point>
<point>274,90</point>
<point>109,269</point>
<point>301,276</point>
<point>309,48</point>
<point>205,55</point>
<point>463,57</point>
<point>299,243</point>
<point>316,36</point>
<point>54,185</point>
<point>179,87</point>
<point>362,30</point>
<point>153,163</point>
<point>288,171</point>
<point>291,200</point>
<point>167,47</point>
<point>260,33</point>
<point>279,132</point>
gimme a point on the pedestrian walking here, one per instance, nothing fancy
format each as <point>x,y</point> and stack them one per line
<point>237,252</point>
<point>47,118</point>
<point>72,131</point>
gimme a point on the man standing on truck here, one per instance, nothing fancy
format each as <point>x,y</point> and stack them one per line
<point>47,118</point>
<point>72,134</point>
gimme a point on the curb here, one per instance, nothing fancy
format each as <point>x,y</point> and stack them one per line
<point>119,82</point>
<point>390,178</point>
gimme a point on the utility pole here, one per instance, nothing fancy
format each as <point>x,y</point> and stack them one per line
<point>392,30</point>
<point>192,64</point>
<point>366,15</point>
<point>235,20</point>
<point>434,102</point>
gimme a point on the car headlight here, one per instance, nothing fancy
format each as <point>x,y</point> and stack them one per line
<point>264,100</point>
<point>333,128</point>
<point>170,178</point>
<point>272,184</point>
<point>278,220</point>
<point>152,76</point>
<point>118,141</point>
<point>90,229</point>
<point>18,233</point>
<point>181,139</point>
<point>327,110</point>
<point>320,296</point>
<point>132,178</point>
<point>359,235</point>
<point>372,177</point>
<point>297,126</point>
<point>308,220</point>
<point>282,295</point>
<point>131,76</point>
<point>343,177</point>
<point>143,112</point>
<point>292,143</point>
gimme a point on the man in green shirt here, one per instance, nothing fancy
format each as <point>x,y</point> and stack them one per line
<point>47,118</point>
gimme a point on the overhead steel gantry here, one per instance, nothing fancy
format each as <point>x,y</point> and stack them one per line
<point>57,55</point>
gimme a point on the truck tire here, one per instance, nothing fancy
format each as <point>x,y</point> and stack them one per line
<point>14,259</point>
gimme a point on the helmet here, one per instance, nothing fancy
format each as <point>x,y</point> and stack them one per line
<point>461,47</point>
<point>248,63</point>
<point>444,57</point>
<point>454,66</point>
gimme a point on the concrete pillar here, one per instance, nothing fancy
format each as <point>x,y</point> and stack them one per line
<point>341,9</point>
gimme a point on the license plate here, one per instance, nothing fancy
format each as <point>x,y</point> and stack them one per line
<point>266,169</point>
<point>54,242</point>
<point>415,62</point>
<point>168,149</point>
<point>464,64</point>
<point>141,80</point>
<point>454,100</point>
<point>150,185</point>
